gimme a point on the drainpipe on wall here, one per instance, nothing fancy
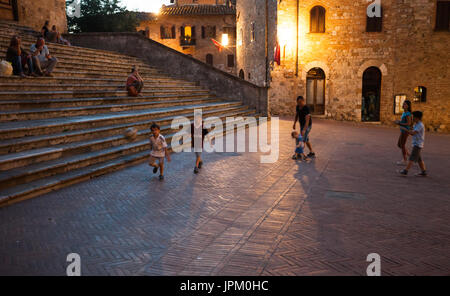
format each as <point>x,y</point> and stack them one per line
<point>267,43</point>
<point>297,47</point>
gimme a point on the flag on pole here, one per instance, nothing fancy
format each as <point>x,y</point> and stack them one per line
<point>217,44</point>
<point>277,54</point>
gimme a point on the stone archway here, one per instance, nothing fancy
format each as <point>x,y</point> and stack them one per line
<point>372,63</point>
<point>315,64</point>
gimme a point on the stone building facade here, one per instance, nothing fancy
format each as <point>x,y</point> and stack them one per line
<point>353,67</point>
<point>33,13</point>
<point>189,26</point>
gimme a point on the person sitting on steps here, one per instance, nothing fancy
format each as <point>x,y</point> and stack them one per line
<point>135,83</point>
<point>18,57</point>
<point>43,61</point>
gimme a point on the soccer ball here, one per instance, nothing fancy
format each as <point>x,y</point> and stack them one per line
<point>131,133</point>
<point>6,69</point>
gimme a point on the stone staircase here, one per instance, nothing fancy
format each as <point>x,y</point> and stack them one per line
<point>59,131</point>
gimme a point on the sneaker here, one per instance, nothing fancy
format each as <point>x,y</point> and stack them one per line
<point>200,164</point>
<point>161,177</point>
<point>294,157</point>
<point>422,174</point>
<point>155,170</point>
<point>311,154</point>
<point>196,170</point>
<point>403,172</point>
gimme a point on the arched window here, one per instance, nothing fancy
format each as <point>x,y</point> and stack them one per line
<point>315,91</point>
<point>209,59</point>
<point>241,74</point>
<point>317,21</point>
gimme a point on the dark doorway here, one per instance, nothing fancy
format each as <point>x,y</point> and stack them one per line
<point>371,94</point>
<point>241,74</point>
<point>315,91</point>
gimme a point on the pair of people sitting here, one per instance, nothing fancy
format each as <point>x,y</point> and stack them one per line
<point>52,35</point>
<point>37,62</point>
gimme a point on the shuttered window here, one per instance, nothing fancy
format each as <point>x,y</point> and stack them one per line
<point>375,24</point>
<point>167,32</point>
<point>317,21</point>
<point>442,16</point>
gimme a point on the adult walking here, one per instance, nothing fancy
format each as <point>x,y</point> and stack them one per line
<point>405,125</point>
<point>303,115</point>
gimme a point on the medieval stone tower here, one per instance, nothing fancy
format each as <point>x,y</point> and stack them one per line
<point>34,13</point>
<point>353,60</point>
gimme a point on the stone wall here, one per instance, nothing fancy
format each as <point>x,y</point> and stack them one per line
<point>408,52</point>
<point>176,64</point>
<point>33,13</point>
<point>203,46</point>
<point>254,49</point>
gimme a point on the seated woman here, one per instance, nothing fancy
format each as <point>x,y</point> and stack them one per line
<point>52,36</point>
<point>135,83</point>
<point>45,30</point>
<point>19,58</point>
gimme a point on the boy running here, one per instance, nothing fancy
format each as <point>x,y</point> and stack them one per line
<point>197,138</point>
<point>418,139</point>
<point>158,147</point>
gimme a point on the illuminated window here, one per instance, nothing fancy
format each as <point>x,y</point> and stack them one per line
<point>420,94</point>
<point>398,103</point>
<point>187,36</point>
<point>317,21</point>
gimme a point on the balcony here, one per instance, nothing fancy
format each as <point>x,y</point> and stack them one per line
<point>187,41</point>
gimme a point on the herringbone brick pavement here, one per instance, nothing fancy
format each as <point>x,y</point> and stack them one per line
<point>240,217</point>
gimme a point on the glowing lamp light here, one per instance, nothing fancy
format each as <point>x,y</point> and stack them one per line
<point>225,39</point>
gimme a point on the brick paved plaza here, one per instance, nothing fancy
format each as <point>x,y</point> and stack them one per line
<point>240,217</point>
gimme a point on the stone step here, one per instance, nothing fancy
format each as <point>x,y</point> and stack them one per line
<point>51,183</point>
<point>63,80</point>
<point>17,129</point>
<point>44,113</point>
<point>28,86</point>
<point>13,181</point>
<point>34,142</point>
<point>78,102</point>
<point>19,95</point>
<point>12,161</point>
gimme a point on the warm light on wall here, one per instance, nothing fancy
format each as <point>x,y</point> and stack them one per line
<point>225,39</point>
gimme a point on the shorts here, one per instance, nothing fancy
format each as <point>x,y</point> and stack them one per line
<point>416,154</point>
<point>153,159</point>
<point>299,150</point>
<point>306,136</point>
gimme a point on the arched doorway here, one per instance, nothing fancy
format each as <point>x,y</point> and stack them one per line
<point>371,94</point>
<point>315,91</point>
<point>241,74</point>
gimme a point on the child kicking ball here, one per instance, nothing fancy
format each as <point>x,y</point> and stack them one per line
<point>300,145</point>
<point>158,150</point>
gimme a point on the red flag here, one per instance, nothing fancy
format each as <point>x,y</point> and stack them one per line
<point>277,54</point>
<point>217,44</point>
